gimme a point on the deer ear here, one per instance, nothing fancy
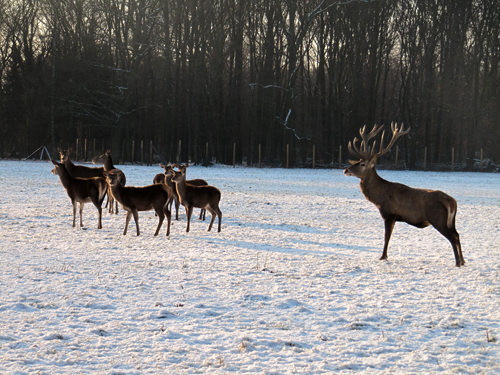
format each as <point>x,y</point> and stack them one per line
<point>352,162</point>
<point>54,162</point>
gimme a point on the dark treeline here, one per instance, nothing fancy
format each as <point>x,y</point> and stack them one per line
<point>251,72</point>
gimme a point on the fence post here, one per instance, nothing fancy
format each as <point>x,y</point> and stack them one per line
<point>76,155</point>
<point>260,155</point>
<point>150,152</point>
<point>123,153</point>
<point>93,152</point>
<point>287,154</point>
<point>133,153</point>
<point>142,153</point>
<point>314,156</point>
<point>179,152</point>
<point>340,157</point>
<point>206,155</point>
<point>397,154</point>
<point>425,157</point>
<point>234,155</point>
<point>453,159</point>
<point>482,160</point>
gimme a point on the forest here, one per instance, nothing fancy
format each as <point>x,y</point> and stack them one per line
<point>277,78</point>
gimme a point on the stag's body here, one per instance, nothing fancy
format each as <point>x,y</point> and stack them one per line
<point>191,196</point>
<point>146,198</point>
<point>82,190</point>
<point>398,202</point>
<point>107,162</point>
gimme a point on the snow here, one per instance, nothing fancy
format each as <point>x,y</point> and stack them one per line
<point>292,284</point>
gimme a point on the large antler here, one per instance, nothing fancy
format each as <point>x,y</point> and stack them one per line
<point>364,151</point>
<point>396,133</point>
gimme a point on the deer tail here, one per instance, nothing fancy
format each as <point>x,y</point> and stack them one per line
<point>451,207</point>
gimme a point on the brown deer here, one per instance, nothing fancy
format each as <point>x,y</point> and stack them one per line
<point>398,202</point>
<point>107,162</point>
<point>82,190</point>
<point>166,178</point>
<point>196,182</point>
<point>191,196</point>
<point>134,199</point>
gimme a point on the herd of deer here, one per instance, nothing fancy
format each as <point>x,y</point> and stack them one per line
<point>84,184</point>
<point>396,202</point>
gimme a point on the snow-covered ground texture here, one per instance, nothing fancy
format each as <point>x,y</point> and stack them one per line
<point>292,284</point>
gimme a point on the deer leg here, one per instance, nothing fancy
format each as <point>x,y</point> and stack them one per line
<point>99,226</point>
<point>81,212</point>
<point>457,249</point>
<point>98,205</point>
<point>161,217</point>
<point>202,214</point>
<point>214,214</point>
<point>99,209</point>
<point>74,212</point>
<point>168,213</point>
<point>219,214</point>
<point>110,202</point>
<point>189,212</point>
<point>389,227</point>
<point>452,235</point>
<point>116,210</point>
<point>136,219</point>
<point>177,204</point>
<point>127,220</point>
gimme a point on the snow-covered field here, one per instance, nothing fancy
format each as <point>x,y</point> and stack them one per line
<point>292,284</point>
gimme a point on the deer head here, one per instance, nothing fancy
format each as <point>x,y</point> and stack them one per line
<point>64,154</point>
<point>57,167</point>
<point>113,177</point>
<point>101,159</point>
<point>368,155</point>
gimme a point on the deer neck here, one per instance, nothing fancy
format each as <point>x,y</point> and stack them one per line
<point>373,186</point>
<point>64,176</point>
<point>108,164</point>
<point>180,186</point>
<point>68,164</point>
<point>117,190</point>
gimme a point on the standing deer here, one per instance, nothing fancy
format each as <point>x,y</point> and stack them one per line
<point>134,199</point>
<point>166,178</point>
<point>82,190</point>
<point>196,182</point>
<point>398,202</point>
<point>191,196</point>
<point>107,162</point>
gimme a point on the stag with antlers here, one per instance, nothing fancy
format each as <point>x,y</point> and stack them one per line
<point>398,202</point>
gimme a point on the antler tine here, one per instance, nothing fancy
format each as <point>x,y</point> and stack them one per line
<point>364,152</point>
<point>353,149</point>
<point>366,137</point>
<point>396,133</point>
